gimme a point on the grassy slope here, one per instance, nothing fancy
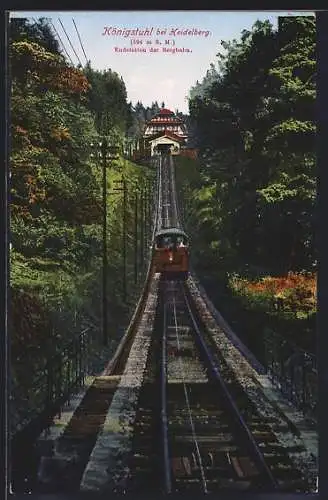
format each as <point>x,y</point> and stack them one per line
<point>52,299</point>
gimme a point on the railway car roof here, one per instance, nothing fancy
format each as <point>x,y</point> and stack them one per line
<point>171,230</point>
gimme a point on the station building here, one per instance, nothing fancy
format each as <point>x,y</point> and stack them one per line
<point>165,132</point>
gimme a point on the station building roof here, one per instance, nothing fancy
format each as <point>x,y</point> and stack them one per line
<point>165,115</point>
<point>165,111</point>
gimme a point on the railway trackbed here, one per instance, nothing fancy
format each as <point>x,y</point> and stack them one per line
<point>209,436</point>
<point>177,419</point>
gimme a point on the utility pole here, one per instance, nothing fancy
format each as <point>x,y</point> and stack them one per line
<point>123,189</point>
<point>105,152</point>
<point>146,221</point>
<point>141,228</point>
<point>146,217</point>
<point>149,212</point>
<point>104,287</point>
<point>124,238</point>
<point>136,237</point>
<point>149,202</point>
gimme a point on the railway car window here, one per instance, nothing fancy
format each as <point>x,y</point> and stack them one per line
<point>164,242</point>
<point>170,241</point>
<point>159,242</point>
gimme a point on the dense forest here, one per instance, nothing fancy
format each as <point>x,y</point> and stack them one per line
<point>59,115</point>
<point>248,202</point>
<point>250,199</point>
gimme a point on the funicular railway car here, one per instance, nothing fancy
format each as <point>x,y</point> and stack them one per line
<point>171,253</point>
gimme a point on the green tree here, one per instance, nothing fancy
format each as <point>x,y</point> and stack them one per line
<point>254,126</point>
<point>39,32</point>
<point>107,100</point>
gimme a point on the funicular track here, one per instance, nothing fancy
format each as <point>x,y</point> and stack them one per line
<point>208,443</point>
<point>170,402</point>
<point>169,204</point>
<point>212,437</point>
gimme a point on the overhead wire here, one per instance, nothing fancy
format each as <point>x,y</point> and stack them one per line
<point>70,42</point>
<point>78,34</point>
<point>58,36</point>
<point>62,43</point>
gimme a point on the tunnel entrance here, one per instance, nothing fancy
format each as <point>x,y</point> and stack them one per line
<point>164,148</point>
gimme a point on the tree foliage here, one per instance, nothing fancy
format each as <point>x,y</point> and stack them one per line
<point>56,211</point>
<point>254,119</point>
<point>107,100</point>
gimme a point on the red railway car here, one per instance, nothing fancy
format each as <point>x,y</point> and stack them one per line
<point>171,253</point>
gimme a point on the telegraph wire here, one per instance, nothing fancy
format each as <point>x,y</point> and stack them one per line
<point>62,43</point>
<point>56,32</point>
<point>78,34</point>
<point>70,42</point>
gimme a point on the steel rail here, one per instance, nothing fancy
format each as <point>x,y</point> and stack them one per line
<point>177,222</point>
<point>160,201</point>
<point>177,205</point>
<point>258,456</point>
<point>167,195</point>
<point>192,425</point>
<point>164,419</point>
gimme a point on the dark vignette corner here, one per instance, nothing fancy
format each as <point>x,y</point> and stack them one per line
<point>322,245</point>
<point>322,155</point>
<point>4,253</point>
